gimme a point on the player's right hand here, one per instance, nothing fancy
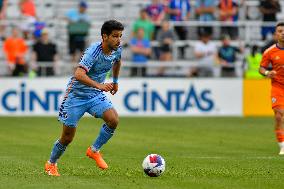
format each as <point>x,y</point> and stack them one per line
<point>271,74</point>
<point>105,87</point>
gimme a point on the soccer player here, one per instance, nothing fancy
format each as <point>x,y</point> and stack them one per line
<point>85,93</point>
<point>274,56</point>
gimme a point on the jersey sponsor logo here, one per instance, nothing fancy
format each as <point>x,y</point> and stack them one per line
<point>276,58</point>
<point>172,100</point>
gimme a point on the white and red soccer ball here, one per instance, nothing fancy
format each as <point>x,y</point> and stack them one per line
<point>154,165</point>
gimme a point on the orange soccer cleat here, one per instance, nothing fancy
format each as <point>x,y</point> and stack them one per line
<point>51,169</point>
<point>97,157</point>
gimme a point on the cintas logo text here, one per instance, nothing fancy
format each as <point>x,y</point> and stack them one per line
<point>25,98</point>
<point>171,100</point>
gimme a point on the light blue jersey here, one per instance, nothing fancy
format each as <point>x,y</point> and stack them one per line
<point>81,98</point>
<point>97,65</point>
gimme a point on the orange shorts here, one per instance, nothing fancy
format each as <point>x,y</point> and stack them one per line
<point>277,97</point>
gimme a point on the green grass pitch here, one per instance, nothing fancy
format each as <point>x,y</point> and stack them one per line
<point>200,152</point>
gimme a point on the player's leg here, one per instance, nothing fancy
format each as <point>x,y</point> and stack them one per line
<point>277,99</point>
<point>279,128</point>
<point>71,110</point>
<point>60,145</point>
<point>111,121</point>
<point>58,149</point>
<point>102,108</point>
<point>110,117</point>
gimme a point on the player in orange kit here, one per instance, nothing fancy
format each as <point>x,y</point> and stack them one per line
<point>274,56</point>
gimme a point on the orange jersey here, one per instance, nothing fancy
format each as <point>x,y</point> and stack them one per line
<point>274,55</point>
<point>13,48</point>
<point>28,8</point>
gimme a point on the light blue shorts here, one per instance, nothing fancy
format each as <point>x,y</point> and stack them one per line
<point>73,108</point>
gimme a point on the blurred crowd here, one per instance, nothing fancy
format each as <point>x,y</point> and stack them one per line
<point>153,35</point>
<point>28,49</point>
<point>153,24</point>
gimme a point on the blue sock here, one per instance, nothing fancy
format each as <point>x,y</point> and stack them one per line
<point>104,135</point>
<point>57,151</point>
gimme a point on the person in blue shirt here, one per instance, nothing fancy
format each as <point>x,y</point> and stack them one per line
<point>179,10</point>
<point>86,93</point>
<point>205,12</point>
<point>78,29</point>
<point>141,50</point>
<point>76,15</point>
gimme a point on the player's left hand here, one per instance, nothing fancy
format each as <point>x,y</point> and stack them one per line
<point>114,88</point>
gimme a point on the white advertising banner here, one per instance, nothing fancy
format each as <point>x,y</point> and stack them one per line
<point>136,97</point>
<point>40,96</point>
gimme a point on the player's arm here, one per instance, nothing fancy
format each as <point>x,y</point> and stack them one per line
<point>81,75</point>
<point>115,74</point>
<point>265,72</point>
<point>265,61</point>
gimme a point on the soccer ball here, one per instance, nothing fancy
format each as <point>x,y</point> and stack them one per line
<point>154,165</point>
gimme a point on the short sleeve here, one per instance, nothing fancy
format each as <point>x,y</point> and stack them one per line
<point>265,61</point>
<point>86,62</point>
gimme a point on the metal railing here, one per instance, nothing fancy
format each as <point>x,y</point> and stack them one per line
<point>175,68</point>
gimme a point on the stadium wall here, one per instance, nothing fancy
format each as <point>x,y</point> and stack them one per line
<point>136,97</point>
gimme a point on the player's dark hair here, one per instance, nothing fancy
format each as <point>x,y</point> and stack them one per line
<point>110,26</point>
<point>280,24</point>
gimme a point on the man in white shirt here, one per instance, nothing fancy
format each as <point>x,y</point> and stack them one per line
<point>205,54</point>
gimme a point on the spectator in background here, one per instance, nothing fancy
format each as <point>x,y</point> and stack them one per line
<point>28,13</point>
<point>27,8</point>
<point>227,56</point>
<point>3,8</point>
<point>44,51</point>
<point>141,50</point>
<point>38,27</point>
<point>156,12</point>
<point>252,61</point>
<point>179,10</point>
<point>165,37</point>
<point>205,54</point>
<point>269,9</point>
<point>15,50</point>
<point>78,29</point>
<point>228,10</point>
<point>144,23</point>
<point>204,11</point>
